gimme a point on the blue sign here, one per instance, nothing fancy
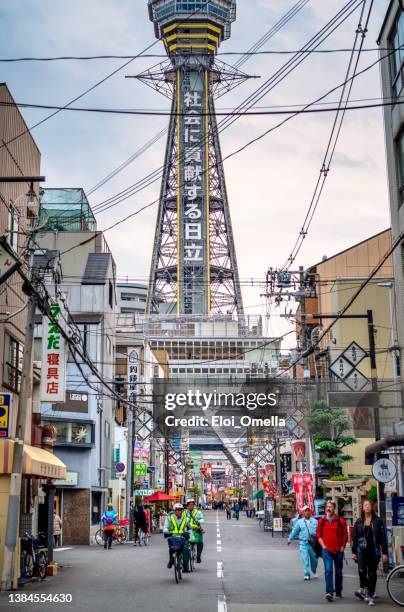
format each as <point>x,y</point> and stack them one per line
<point>5,415</point>
<point>397,504</point>
<point>120,467</point>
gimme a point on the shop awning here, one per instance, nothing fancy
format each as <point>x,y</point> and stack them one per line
<point>259,494</point>
<point>36,462</point>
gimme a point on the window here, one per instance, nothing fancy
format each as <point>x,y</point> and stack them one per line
<point>400,164</point>
<point>13,352</point>
<point>397,59</point>
<point>77,433</point>
<point>13,227</point>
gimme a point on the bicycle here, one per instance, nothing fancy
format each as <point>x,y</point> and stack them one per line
<point>120,536</point>
<point>143,537</point>
<point>192,556</point>
<point>395,585</point>
<point>176,544</point>
<point>34,555</point>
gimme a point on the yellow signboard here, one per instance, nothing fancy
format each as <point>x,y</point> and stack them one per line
<point>5,415</point>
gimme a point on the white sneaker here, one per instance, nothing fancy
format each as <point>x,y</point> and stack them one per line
<point>306,578</point>
<point>371,601</point>
<point>314,576</point>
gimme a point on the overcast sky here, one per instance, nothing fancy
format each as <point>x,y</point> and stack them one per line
<point>269,185</point>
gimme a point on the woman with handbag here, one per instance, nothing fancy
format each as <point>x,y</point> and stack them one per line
<point>369,544</point>
<point>305,529</point>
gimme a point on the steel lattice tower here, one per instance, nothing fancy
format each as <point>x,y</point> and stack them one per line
<point>194,267</point>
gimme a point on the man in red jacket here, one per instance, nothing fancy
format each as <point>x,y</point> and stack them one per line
<point>332,536</point>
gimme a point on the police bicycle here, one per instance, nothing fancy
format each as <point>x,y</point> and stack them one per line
<point>176,544</point>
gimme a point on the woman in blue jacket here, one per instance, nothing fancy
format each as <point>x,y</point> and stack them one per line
<point>305,531</point>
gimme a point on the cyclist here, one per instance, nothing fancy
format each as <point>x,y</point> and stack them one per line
<point>196,521</point>
<point>140,521</point>
<point>109,522</point>
<point>177,523</point>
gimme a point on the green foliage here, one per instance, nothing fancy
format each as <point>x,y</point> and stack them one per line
<point>328,427</point>
<point>372,494</point>
<point>337,478</point>
<point>195,491</point>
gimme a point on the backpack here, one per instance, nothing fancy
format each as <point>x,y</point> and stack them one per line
<point>339,528</point>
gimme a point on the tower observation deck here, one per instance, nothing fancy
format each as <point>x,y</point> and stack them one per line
<point>194,268</point>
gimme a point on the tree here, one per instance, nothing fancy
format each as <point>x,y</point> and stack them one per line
<point>329,427</point>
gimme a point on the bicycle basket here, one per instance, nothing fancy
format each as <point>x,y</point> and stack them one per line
<point>176,542</point>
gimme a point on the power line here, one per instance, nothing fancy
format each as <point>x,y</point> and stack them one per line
<point>164,56</point>
<point>158,113</point>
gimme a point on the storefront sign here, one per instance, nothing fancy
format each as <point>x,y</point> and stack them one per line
<point>133,375</point>
<point>8,263</point>
<point>398,511</point>
<point>143,492</point>
<point>71,480</point>
<point>384,470</point>
<point>5,415</point>
<point>298,487</point>
<point>74,402</point>
<point>139,469</point>
<point>53,374</point>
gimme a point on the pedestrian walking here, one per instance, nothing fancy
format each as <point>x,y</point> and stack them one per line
<point>57,528</point>
<point>109,521</point>
<point>369,545</point>
<point>305,531</point>
<point>332,536</point>
<point>228,511</point>
<point>236,511</point>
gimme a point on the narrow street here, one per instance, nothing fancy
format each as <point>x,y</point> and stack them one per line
<point>243,570</point>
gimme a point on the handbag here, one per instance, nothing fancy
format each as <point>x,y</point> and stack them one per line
<point>314,543</point>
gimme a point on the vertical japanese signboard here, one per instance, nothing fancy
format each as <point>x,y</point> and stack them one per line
<point>193,193</point>
<point>53,373</point>
<point>133,374</point>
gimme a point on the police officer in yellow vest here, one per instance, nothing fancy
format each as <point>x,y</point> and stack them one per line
<point>196,521</point>
<point>177,523</point>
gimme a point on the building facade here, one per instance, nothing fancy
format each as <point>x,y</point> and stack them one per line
<point>392,80</point>
<point>84,422</point>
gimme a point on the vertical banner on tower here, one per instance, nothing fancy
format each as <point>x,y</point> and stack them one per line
<point>133,374</point>
<point>298,488</point>
<point>191,209</point>
<point>53,373</point>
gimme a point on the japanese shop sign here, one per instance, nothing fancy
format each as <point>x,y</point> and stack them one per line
<point>5,415</point>
<point>133,374</point>
<point>139,469</point>
<point>8,263</point>
<point>53,373</point>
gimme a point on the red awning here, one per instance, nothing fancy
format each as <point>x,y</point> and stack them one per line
<point>158,496</point>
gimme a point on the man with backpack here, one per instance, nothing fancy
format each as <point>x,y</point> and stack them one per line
<point>332,536</point>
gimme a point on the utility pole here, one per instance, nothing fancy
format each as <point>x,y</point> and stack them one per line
<point>24,407</point>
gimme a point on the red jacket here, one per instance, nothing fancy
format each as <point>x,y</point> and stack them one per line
<point>334,534</point>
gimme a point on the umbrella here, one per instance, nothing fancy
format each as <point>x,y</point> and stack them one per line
<point>158,496</point>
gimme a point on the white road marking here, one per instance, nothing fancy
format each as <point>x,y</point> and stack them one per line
<point>60,549</point>
<point>219,542</point>
<point>221,604</point>
<point>220,573</point>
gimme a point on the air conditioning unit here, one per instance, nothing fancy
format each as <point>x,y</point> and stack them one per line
<point>37,365</point>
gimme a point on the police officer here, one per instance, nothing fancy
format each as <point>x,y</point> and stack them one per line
<point>177,524</point>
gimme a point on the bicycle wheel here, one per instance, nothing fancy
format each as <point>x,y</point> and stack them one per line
<point>395,585</point>
<point>121,535</point>
<point>192,557</point>
<point>99,537</point>
<point>29,565</point>
<point>146,539</point>
<point>177,570</point>
<point>42,565</point>
<point>179,560</point>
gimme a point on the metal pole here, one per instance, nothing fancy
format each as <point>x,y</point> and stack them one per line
<point>129,461</point>
<point>24,406</point>
<point>373,374</point>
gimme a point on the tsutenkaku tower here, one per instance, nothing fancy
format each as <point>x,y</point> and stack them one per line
<point>194,267</point>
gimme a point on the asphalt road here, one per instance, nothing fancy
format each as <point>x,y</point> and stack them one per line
<point>243,570</point>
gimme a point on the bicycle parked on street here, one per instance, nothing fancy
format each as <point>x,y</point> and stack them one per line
<point>34,555</point>
<point>395,585</point>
